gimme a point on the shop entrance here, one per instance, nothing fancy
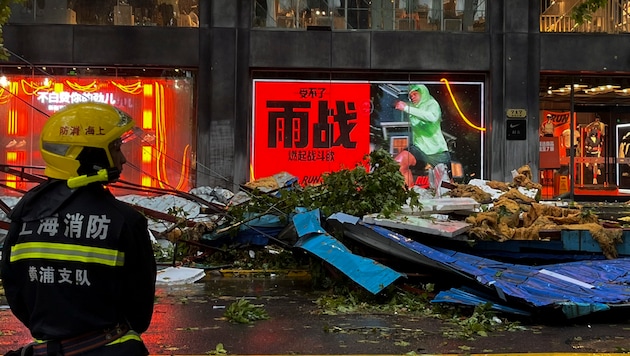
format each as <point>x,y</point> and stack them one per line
<point>595,164</point>
<point>585,137</point>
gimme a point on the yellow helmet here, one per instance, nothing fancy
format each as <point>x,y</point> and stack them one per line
<point>73,128</point>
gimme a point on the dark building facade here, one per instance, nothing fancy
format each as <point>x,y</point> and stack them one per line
<point>514,60</point>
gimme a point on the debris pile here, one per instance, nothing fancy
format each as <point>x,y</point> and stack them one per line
<point>194,228</point>
<point>513,215</point>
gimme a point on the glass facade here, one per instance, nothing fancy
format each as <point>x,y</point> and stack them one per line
<point>559,16</point>
<point>403,15</point>
<point>593,113</point>
<point>171,13</point>
<point>159,104</point>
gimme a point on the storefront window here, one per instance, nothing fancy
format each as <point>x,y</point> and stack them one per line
<point>584,136</point>
<point>404,15</point>
<point>170,13</point>
<point>161,106</point>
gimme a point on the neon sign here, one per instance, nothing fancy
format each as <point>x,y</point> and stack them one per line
<point>56,101</point>
<point>26,103</point>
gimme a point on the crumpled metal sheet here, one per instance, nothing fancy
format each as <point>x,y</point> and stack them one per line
<point>577,288</point>
<point>368,273</point>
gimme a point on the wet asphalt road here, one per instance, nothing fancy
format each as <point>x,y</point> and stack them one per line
<point>188,320</point>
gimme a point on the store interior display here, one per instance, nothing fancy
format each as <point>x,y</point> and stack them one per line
<point>596,147</point>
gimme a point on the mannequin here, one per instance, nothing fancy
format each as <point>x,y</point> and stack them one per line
<point>566,141</point>
<point>593,143</point>
<point>546,129</point>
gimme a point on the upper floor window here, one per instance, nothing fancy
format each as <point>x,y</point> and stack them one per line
<point>574,16</point>
<point>407,15</point>
<point>171,13</point>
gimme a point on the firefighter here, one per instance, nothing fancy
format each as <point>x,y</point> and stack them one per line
<point>78,266</point>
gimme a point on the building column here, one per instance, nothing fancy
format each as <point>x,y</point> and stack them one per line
<point>514,84</point>
<point>224,93</point>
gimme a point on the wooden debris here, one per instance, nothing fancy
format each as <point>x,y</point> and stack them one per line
<point>515,216</point>
<point>470,191</point>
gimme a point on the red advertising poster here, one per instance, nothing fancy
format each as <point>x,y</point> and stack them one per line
<point>549,152</point>
<point>557,124</point>
<point>309,128</point>
<point>554,123</point>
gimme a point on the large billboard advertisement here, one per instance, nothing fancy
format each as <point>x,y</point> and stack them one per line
<point>307,128</point>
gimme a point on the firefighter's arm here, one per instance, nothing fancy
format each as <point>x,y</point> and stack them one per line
<point>140,275</point>
<point>11,279</point>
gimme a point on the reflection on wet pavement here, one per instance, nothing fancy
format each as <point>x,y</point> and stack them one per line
<point>188,320</point>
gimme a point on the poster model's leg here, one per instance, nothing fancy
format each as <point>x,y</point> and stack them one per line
<point>406,161</point>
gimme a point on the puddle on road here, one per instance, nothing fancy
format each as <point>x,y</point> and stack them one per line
<point>218,287</point>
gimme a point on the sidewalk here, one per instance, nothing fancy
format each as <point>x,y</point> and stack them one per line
<point>188,320</point>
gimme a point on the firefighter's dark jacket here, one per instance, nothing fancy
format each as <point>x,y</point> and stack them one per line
<point>76,261</point>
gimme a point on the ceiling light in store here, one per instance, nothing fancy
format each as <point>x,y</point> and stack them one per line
<point>576,86</point>
<point>609,87</point>
<point>562,91</point>
<point>602,89</point>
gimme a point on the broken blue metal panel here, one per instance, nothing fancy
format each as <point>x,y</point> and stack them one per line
<point>600,281</point>
<point>578,287</point>
<point>580,309</point>
<point>256,232</point>
<point>368,273</point>
<point>258,236</point>
<point>582,240</point>
<point>624,248</point>
<point>518,246</point>
<point>308,222</point>
<point>572,245</point>
<point>395,246</point>
<point>574,240</point>
<point>459,296</point>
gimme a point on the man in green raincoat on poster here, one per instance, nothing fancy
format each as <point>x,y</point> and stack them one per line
<point>428,146</point>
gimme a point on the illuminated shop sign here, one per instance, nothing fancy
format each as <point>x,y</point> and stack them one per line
<point>158,105</point>
<point>307,128</point>
<point>55,101</point>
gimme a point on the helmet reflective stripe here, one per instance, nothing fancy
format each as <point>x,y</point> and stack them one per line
<point>66,252</point>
